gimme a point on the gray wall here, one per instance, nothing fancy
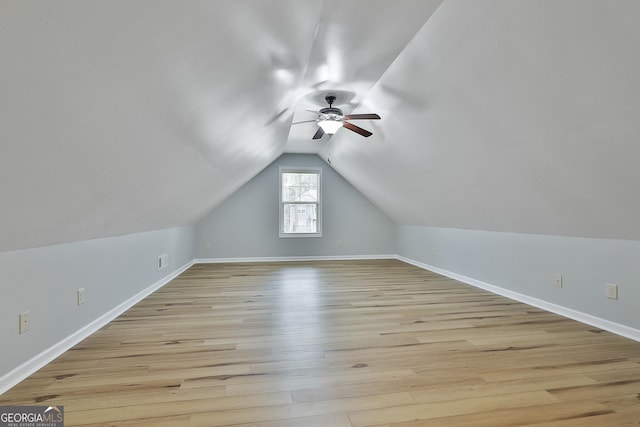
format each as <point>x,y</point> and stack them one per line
<point>526,264</point>
<point>45,280</point>
<point>246,224</point>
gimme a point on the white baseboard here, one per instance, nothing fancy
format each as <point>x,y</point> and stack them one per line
<point>21,372</point>
<point>294,258</point>
<point>588,319</point>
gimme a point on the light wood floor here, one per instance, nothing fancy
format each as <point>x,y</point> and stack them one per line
<point>338,344</point>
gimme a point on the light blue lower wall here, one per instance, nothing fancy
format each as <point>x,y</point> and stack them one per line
<point>246,224</point>
<point>45,280</point>
<point>526,264</point>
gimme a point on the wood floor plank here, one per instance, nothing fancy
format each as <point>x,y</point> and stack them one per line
<point>298,410</point>
<point>135,411</point>
<point>334,420</point>
<point>442,409</point>
<point>540,415</point>
<point>179,421</point>
<point>338,344</point>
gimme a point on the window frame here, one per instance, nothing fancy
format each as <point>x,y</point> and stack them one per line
<point>281,203</point>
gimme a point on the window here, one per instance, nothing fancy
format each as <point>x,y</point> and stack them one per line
<point>300,198</point>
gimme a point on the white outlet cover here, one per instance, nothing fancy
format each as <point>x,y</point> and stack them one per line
<point>25,322</point>
<point>612,291</point>
<point>163,261</point>
<point>558,280</point>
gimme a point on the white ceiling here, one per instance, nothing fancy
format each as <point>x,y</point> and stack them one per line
<point>131,115</point>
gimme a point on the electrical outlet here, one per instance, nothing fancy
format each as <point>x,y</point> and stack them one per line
<point>163,261</point>
<point>612,291</point>
<point>25,322</point>
<point>558,280</point>
<point>80,295</point>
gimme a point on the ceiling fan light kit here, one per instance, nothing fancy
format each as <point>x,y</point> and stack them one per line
<point>330,125</point>
<point>331,119</point>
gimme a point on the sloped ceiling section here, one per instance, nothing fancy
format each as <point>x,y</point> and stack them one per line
<point>520,116</point>
<point>132,115</point>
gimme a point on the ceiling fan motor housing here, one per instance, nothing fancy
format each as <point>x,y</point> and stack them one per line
<point>331,111</point>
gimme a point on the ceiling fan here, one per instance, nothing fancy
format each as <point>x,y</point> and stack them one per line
<point>331,119</point>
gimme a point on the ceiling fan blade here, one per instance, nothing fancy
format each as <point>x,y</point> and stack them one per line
<point>362,117</point>
<point>314,112</point>
<point>319,134</point>
<point>304,121</point>
<point>356,129</point>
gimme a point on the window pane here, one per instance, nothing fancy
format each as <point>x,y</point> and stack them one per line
<point>300,210</point>
<point>300,187</point>
<point>300,218</point>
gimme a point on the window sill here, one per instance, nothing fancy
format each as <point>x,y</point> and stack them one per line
<point>293,235</point>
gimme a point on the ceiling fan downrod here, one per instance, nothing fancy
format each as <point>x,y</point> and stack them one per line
<point>330,99</point>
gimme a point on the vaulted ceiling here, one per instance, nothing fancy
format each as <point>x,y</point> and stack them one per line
<point>132,115</point>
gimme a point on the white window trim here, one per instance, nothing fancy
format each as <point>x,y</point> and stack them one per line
<point>291,169</point>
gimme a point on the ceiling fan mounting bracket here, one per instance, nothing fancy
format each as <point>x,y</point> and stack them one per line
<point>330,99</point>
